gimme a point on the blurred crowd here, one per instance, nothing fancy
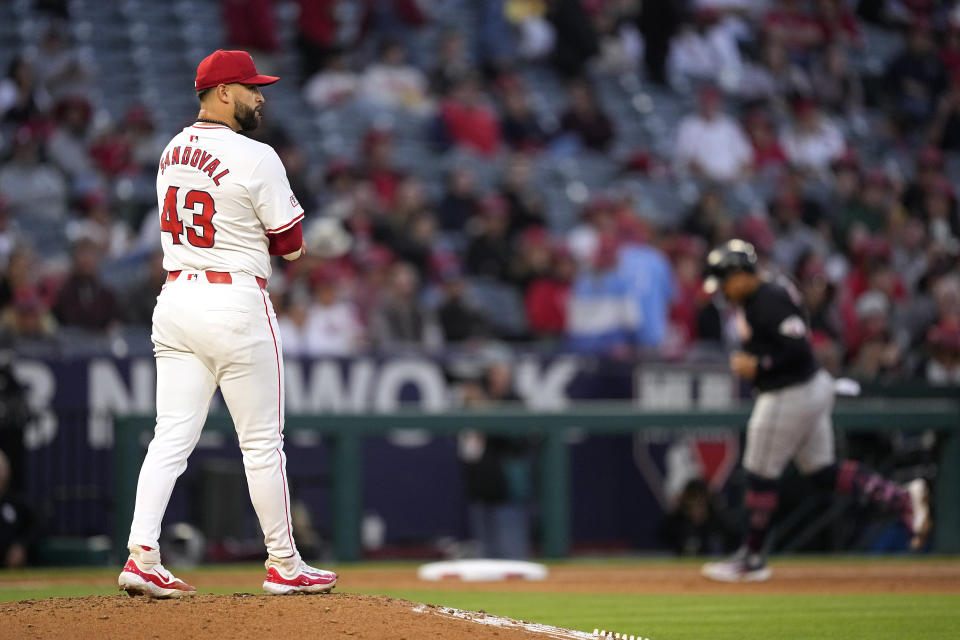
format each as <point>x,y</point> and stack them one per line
<point>850,165</point>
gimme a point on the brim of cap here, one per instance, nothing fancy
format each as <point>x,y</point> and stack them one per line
<point>259,79</point>
<point>711,285</point>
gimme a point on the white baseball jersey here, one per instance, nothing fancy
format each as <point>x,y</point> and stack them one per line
<point>219,194</point>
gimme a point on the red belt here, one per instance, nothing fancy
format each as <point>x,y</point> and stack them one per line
<point>216,277</point>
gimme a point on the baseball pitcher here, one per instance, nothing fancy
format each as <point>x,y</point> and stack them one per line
<point>225,208</point>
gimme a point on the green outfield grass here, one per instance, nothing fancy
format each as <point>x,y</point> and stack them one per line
<point>658,617</point>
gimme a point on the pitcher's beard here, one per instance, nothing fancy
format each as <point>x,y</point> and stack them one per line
<point>247,118</point>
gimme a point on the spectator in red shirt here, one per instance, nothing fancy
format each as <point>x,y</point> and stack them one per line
<point>468,121</point>
<point>792,25</point>
<point>317,27</point>
<point>768,155</point>
<point>546,298</point>
<point>686,255</point>
<point>379,170</point>
<point>251,26</point>
<point>84,301</point>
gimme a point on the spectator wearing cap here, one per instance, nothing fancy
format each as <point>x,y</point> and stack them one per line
<point>392,83</point>
<point>602,313</point>
<point>915,78</point>
<point>710,144</point>
<point>811,140</point>
<point>466,119</point>
<point>584,119</point>
<point>33,188</point>
<point>489,253</point>
<point>84,301</point>
<point>546,299</point>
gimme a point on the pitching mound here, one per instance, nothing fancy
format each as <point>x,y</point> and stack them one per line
<point>242,616</point>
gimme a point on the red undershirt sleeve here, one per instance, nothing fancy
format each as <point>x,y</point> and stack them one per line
<point>287,241</point>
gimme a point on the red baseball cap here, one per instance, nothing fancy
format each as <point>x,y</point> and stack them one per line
<point>226,67</point>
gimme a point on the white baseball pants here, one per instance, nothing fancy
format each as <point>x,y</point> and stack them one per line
<point>207,335</point>
<point>793,423</point>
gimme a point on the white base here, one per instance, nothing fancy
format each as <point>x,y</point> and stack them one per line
<point>482,570</point>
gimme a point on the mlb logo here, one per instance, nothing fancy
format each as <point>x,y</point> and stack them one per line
<point>293,201</point>
<point>194,138</point>
<point>668,460</point>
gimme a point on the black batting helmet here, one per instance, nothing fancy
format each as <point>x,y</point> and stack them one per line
<point>730,257</point>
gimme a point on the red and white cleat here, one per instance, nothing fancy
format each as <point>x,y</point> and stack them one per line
<point>920,521</point>
<point>155,582</point>
<point>306,580</point>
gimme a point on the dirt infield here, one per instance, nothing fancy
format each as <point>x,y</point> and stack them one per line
<point>350,615</point>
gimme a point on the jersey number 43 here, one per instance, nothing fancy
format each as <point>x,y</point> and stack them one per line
<point>200,233</point>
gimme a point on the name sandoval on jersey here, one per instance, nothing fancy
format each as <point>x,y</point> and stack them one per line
<point>194,157</point>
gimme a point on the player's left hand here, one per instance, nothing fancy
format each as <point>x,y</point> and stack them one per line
<point>743,364</point>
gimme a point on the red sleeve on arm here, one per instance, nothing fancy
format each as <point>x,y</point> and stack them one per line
<point>286,241</point>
